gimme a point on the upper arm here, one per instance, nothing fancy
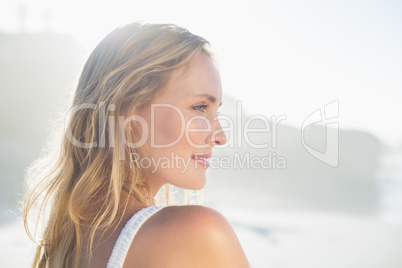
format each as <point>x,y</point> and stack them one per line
<point>187,236</point>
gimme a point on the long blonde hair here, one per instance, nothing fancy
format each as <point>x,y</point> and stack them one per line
<point>84,168</point>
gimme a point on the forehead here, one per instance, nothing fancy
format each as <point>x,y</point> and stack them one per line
<point>200,77</point>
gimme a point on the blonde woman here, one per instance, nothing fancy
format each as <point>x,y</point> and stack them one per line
<point>143,117</point>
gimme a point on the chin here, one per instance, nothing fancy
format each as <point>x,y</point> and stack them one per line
<point>196,187</point>
<point>194,184</point>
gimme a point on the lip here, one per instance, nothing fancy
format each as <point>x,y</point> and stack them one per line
<point>201,158</point>
<point>202,155</point>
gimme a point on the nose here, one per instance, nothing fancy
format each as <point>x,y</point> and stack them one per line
<point>218,137</point>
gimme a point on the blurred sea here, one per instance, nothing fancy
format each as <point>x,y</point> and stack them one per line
<point>319,238</point>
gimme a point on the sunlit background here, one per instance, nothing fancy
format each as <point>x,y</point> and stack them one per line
<point>276,58</point>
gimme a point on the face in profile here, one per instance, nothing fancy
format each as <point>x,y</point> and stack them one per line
<point>183,126</point>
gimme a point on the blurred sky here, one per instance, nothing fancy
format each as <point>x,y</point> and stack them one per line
<point>278,57</point>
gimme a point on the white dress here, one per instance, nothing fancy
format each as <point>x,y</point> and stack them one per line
<point>127,235</point>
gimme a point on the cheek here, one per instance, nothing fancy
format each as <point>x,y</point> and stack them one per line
<point>167,126</point>
<point>199,131</point>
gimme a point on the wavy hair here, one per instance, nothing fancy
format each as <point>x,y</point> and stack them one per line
<point>83,167</point>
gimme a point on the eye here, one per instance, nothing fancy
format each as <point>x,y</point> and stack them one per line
<point>200,108</point>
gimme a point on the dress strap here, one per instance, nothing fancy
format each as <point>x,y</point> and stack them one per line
<point>127,235</point>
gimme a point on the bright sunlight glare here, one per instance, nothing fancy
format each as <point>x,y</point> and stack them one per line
<point>277,57</point>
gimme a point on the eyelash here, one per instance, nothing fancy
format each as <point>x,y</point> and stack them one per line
<point>202,106</point>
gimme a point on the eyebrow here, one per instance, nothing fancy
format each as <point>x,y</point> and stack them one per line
<point>209,97</point>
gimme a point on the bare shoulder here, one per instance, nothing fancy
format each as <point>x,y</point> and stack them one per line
<point>186,236</point>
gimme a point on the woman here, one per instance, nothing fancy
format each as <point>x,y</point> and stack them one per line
<point>143,117</point>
